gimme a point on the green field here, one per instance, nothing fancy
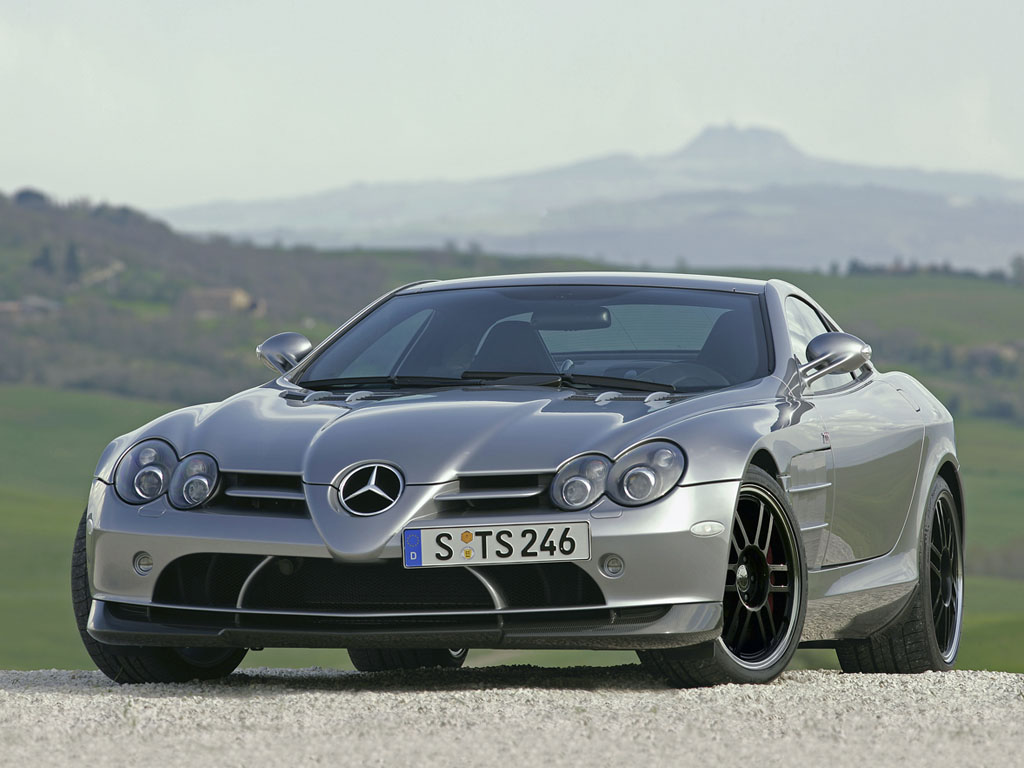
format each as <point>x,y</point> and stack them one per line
<point>52,438</point>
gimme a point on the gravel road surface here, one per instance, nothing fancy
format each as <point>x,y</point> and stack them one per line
<point>522,716</point>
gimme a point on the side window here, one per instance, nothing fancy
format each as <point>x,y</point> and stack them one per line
<point>804,324</point>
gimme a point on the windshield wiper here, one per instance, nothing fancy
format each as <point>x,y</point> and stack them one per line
<point>372,382</point>
<point>572,379</point>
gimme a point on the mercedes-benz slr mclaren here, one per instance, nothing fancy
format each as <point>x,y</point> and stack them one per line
<point>707,471</point>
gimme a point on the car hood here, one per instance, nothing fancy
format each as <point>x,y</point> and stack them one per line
<point>431,435</point>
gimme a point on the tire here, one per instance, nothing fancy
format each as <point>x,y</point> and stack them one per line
<point>764,599</point>
<point>925,637</point>
<point>386,659</point>
<point>130,664</point>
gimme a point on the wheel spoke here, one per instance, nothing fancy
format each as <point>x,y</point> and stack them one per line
<point>743,529</point>
<point>776,588</point>
<point>768,538</point>
<point>935,569</point>
<point>736,544</point>
<point>771,619</point>
<point>743,631</point>
<point>760,520</point>
<point>730,633</point>
<point>761,629</point>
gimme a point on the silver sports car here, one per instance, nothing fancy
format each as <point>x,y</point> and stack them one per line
<point>705,470</point>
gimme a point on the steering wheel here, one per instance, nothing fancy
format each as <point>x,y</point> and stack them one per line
<point>685,374</point>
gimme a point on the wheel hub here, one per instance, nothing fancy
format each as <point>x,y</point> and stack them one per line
<point>752,578</point>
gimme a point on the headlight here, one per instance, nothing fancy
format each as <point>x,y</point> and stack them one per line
<point>581,482</point>
<point>144,471</point>
<point>646,473</point>
<point>193,481</point>
<point>639,476</point>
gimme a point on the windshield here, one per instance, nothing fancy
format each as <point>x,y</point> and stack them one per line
<point>680,338</point>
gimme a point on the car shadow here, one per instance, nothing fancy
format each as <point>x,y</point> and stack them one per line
<point>625,677</point>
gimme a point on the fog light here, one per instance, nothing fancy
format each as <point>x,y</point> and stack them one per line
<point>707,528</point>
<point>143,563</point>
<point>613,566</point>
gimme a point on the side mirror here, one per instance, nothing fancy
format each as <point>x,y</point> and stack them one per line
<point>284,351</point>
<point>834,353</point>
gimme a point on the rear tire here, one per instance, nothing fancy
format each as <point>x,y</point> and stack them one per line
<point>131,664</point>
<point>764,600</point>
<point>386,659</point>
<point>926,635</point>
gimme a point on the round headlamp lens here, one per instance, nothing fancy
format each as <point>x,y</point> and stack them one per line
<point>147,456</point>
<point>149,482</point>
<point>144,472</point>
<point>645,473</point>
<point>580,482</point>
<point>194,481</point>
<point>576,491</point>
<point>196,489</point>
<point>639,483</point>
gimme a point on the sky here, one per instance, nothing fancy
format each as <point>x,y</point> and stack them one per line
<point>157,104</point>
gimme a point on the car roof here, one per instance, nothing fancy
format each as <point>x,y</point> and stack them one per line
<point>650,279</point>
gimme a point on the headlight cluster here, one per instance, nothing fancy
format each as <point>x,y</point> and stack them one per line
<point>639,476</point>
<point>152,468</point>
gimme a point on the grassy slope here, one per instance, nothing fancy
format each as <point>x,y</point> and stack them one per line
<point>51,439</point>
<point>954,309</point>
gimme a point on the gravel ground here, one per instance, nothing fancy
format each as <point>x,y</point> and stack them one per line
<point>612,716</point>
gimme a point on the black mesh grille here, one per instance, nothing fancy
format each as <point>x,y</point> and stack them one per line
<point>204,580</point>
<point>324,585</point>
<point>554,585</point>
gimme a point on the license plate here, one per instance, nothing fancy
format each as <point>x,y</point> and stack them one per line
<point>495,545</point>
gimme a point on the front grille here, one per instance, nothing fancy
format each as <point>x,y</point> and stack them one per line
<point>264,493</point>
<point>496,493</point>
<point>325,586</point>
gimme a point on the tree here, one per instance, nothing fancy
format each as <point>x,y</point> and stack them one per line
<point>72,264</point>
<point>44,261</point>
<point>1017,269</point>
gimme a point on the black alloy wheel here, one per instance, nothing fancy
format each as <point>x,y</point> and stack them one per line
<point>762,584</point>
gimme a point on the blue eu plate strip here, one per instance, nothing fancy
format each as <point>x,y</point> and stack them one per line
<point>411,548</point>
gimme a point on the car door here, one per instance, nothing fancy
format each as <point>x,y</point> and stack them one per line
<point>876,437</point>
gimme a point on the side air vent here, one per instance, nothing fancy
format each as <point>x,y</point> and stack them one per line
<point>495,493</point>
<point>258,492</point>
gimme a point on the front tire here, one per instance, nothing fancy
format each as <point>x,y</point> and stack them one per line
<point>387,659</point>
<point>764,601</point>
<point>130,664</point>
<point>926,635</point>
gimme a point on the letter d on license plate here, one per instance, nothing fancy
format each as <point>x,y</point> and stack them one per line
<point>495,545</point>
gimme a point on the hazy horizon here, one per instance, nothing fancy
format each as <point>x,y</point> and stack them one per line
<point>155,106</point>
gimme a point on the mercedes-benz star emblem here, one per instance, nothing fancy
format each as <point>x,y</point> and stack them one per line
<point>371,489</point>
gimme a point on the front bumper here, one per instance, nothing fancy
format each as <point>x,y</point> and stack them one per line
<point>669,595</point>
<point>591,628</point>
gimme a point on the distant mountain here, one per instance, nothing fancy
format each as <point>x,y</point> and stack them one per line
<point>731,196</point>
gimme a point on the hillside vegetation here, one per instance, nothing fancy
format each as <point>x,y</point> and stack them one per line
<point>103,298</point>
